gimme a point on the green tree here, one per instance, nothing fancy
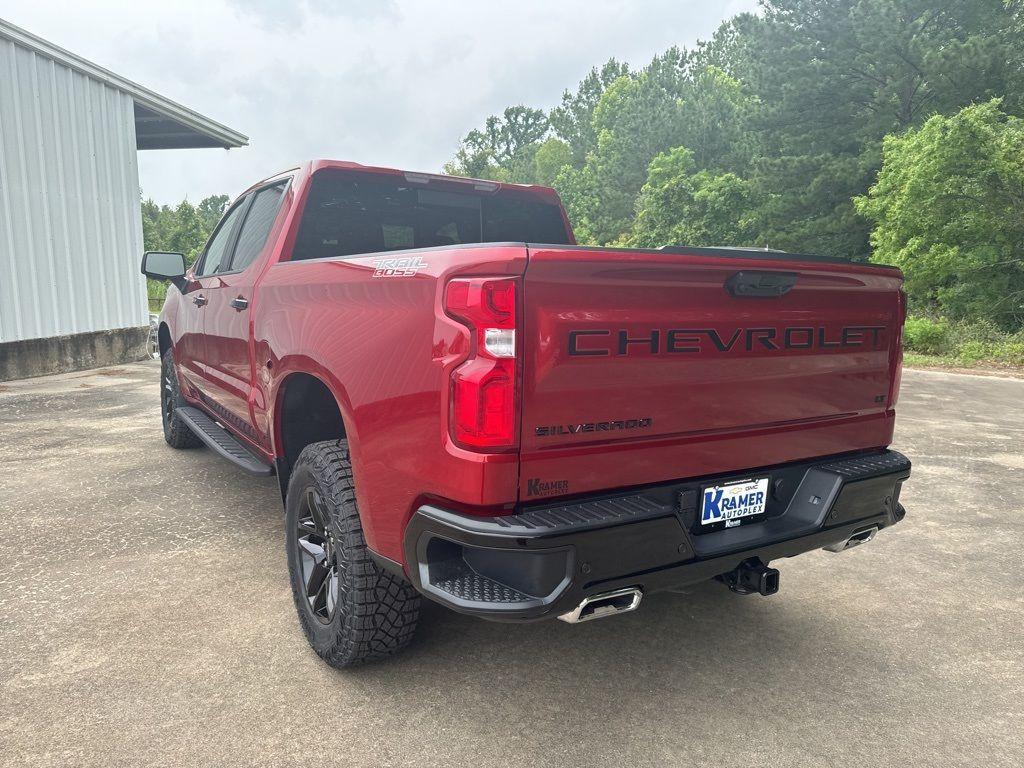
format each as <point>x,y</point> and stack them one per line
<point>551,156</point>
<point>680,205</point>
<point>833,77</point>
<point>187,235</point>
<point>676,101</point>
<point>572,120</point>
<point>714,116</point>
<point>733,48</point>
<point>636,118</point>
<point>490,152</point>
<point>782,116</point>
<point>948,209</point>
<point>154,226</point>
<point>184,228</point>
<point>210,211</point>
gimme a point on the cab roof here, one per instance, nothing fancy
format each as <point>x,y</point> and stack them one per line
<point>416,177</point>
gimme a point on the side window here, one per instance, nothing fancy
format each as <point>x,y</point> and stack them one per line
<point>257,225</point>
<point>216,249</point>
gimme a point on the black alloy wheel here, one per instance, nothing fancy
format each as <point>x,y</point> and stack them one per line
<point>176,432</point>
<point>167,394</point>
<point>351,609</point>
<point>318,557</point>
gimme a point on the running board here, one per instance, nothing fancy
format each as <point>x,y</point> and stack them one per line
<point>223,442</point>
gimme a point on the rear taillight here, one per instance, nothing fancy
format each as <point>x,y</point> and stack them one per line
<point>897,363</point>
<point>483,393</point>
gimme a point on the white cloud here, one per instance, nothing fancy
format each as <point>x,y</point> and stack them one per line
<point>392,83</point>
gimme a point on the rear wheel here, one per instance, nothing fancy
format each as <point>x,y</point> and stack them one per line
<point>176,432</point>
<point>350,609</point>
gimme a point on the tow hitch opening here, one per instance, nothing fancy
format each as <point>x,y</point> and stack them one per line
<point>752,576</point>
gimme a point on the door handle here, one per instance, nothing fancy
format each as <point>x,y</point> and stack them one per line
<point>200,300</point>
<point>766,285</point>
<point>240,303</point>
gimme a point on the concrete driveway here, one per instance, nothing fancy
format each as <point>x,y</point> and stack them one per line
<point>145,618</point>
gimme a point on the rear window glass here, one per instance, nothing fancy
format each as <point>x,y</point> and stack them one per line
<point>348,214</point>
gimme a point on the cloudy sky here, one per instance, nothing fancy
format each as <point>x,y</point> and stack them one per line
<point>385,82</point>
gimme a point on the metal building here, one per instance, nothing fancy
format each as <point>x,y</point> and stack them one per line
<point>71,295</point>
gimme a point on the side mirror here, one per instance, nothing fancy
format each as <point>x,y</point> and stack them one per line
<point>164,265</point>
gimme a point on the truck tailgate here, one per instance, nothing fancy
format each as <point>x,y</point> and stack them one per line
<point>647,366</point>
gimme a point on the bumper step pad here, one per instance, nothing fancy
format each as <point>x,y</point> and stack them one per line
<point>582,516</point>
<point>865,467</point>
<point>475,588</point>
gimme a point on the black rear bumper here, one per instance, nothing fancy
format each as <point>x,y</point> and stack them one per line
<point>544,560</point>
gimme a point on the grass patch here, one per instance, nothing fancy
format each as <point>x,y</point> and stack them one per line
<point>156,293</point>
<point>946,362</point>
<point>940,343</point>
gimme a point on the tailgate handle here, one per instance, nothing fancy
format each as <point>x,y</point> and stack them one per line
<point>764,285</point>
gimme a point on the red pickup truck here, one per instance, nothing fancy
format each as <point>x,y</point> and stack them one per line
<point>460,403</point>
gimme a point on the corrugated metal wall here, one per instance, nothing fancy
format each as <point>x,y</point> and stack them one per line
<point>70,221</point>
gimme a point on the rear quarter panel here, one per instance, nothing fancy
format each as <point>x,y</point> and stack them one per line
<point>384,347</point>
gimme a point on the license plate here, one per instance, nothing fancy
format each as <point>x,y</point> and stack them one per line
<point>731,503</point>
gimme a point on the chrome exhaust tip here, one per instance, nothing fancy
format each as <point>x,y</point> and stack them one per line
<point>856,539</point>
<point>607,604</point>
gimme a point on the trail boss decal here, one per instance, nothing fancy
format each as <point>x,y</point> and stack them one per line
<point>404,267</point>
<point>593,343</point>
<point>592,426</point>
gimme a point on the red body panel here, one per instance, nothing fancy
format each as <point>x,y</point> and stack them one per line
<point>185,317</point>
<point>232,378</point>
<point>385,348</point>
<point>228,366</point>
<point>728,395</point>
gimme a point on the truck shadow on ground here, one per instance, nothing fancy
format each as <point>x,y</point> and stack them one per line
<point>706,649</point>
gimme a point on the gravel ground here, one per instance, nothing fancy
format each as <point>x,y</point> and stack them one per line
<point>145,618</point>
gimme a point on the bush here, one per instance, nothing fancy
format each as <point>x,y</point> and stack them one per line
<point>946,210</point>
<point>974,351</point>
<point>963,343</point>
<point>930,337</point>
<point>156,292</point>
<point>1011,352</point>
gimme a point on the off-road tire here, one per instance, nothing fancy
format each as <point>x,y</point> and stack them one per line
<point>375,611</point>
<point>176,432</point>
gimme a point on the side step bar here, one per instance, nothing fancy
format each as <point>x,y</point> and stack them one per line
<point>223,442</point>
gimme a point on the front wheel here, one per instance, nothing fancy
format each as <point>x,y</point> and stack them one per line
<point>350,610</point>
<point>176,432</point>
